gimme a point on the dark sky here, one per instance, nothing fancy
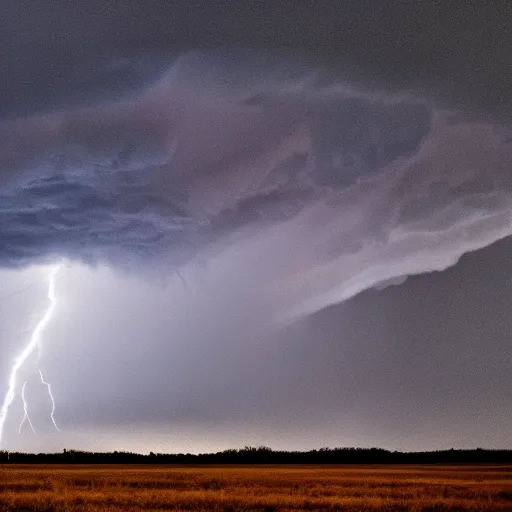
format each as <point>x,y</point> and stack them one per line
<point>278,223</point>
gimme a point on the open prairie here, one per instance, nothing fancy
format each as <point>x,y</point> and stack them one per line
<point>257,488</point>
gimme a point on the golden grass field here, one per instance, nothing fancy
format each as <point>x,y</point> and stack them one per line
<point>243,488</point>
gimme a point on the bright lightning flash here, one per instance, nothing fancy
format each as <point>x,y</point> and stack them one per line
<point>32,345</point>
<point>48,386</point>
<point>26,417</point>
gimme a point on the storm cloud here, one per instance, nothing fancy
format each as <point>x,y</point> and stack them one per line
<point>213,155</point>
<point>295,175</point>
<point>169,140</point>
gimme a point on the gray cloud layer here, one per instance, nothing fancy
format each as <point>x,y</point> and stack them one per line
<point>65,53</point>
<point>327,181</point>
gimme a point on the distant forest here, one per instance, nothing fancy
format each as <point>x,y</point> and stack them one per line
<point>265,455</point>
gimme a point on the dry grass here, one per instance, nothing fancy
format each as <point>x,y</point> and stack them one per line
<point>271,488</point>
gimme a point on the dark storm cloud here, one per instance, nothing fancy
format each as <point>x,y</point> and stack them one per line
<point>349,145</point>
<point>63,53</point>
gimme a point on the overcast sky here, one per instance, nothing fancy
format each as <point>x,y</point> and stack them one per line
<point>274,224</point>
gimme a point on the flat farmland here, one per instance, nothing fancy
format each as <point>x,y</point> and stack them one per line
<point>254,488</point>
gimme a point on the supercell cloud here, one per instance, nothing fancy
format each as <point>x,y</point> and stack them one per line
<point>327,181</point>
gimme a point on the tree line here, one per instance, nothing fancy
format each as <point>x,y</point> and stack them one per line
<point>265,455</point>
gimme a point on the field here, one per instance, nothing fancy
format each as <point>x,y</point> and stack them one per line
<point>242,488</point>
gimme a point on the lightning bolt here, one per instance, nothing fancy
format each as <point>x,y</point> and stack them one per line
<point>32,345</point>
<point>48,386</point>
<point>26,417</point>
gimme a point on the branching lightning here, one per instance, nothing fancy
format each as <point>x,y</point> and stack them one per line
<point>48,386</point>
<point>33,344</point>
<point>26,416</point>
